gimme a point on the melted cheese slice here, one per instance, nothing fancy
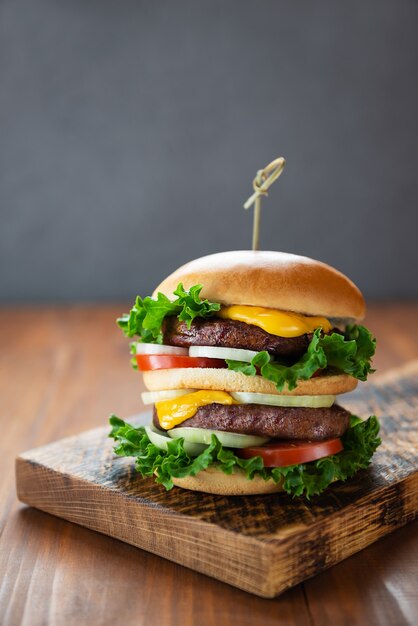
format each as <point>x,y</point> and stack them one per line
<point>274,322</point>
<point>173,412</point>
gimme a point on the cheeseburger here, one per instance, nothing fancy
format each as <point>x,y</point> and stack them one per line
<point>243,356</point>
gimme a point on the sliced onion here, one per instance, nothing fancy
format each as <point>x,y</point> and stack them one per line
<point>160,439</point>
<point>275,400</point>
<point>213,352</point>
<point>203,435</point>
<point>157,348</point>
<point>151,397</point>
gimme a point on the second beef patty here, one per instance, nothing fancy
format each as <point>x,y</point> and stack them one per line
<point>271,421</point>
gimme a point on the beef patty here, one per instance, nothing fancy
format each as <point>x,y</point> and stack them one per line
<point>271,421</point>
<point>231,334</point>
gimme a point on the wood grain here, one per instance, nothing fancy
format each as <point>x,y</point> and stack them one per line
<point>63,370</point>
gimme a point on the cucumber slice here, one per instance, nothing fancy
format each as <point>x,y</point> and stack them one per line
<point>203,435</point>
<point>160,439</point>
<point>213,352</point>
<point>276,400</point>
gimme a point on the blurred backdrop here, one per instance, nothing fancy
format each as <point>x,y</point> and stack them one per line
<point>130,132</point>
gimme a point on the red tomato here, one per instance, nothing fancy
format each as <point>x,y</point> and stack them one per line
<point>282,453</point>
<point>147,362</point>
<point>317,373</point>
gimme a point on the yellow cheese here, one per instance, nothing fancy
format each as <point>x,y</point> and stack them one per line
<point>280,323</point>
<point>173,412</point>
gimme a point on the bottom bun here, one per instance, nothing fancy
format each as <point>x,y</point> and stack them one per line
<point>213,480</point>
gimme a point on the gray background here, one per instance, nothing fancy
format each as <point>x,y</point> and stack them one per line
<point>130,132</point>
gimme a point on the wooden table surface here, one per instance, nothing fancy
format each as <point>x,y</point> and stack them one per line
<point>64,370</point>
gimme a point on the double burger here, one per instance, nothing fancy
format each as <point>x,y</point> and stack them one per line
<point>243,355</point>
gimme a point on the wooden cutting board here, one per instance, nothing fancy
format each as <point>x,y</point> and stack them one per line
<point>262,544</point>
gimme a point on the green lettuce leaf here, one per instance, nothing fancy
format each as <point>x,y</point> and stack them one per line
<point>132,350</point>
<point>147,315</point>
<point>360,442</point>
<point>350,353</point>
<point>308,479</point>
<point>366,347</point>
<point>190,304</point>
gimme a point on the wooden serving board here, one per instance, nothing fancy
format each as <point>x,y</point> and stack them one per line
<point>262,544</point>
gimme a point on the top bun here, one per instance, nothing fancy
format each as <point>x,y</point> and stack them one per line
<point>276,280</point>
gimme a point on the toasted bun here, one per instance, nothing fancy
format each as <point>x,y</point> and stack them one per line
<point>228,380</point>
<point>271,279</point>
<point>213,480</point>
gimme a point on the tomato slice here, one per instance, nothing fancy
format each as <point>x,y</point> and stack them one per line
<point>317,373</point>
<point>283,453</point>
<point>147,362</point>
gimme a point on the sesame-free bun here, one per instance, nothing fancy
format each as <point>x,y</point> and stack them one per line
<point>213,480</point>
<point>227,380</point>
<point>276,280</point>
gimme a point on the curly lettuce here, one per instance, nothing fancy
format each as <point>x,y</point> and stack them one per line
<point>306,479</point>
<point>350,353</point>
<point>146,317</point>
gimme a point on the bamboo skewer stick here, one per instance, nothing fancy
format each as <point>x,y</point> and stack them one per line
<point>261,183</point>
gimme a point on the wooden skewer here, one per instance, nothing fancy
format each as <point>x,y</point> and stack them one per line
<point>262,181</point>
